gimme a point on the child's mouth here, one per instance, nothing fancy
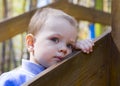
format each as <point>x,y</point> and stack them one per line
<point>59,58</point>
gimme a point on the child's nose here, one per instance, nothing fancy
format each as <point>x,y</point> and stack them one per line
<point>63,49</point>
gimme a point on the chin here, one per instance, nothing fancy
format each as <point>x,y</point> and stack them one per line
<point>53,64</point>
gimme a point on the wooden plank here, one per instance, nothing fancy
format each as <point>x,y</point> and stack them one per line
<point>116,22</point>
<point>14,26</point>
<point>19,24</point>
<point>115,64</point>
<point>79,69</point>
<point>83,13</point>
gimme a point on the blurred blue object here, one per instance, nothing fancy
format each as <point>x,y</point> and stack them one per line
<point>92,31</point>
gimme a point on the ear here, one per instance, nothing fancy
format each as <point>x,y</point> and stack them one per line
<point>30,42</point>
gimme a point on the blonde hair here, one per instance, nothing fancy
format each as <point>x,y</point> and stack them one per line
<point>41,15</point>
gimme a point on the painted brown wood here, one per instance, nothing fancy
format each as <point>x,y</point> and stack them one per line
<point>14,26</point>
<point>83,13</point>
<point>19,24</point>
<point>116,22</point>
<point>115,64</point>
<point>80,69</point>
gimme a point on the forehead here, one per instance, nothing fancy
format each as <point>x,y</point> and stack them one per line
<point>59,26</point>
<point>57,23</point>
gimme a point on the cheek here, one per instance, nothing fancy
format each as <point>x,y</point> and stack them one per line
<point>44,49</point>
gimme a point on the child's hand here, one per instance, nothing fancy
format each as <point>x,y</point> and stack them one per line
<point>85,45</point>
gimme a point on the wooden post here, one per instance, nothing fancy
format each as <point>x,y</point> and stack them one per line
<point>116,22</point>
<point>115,62</point>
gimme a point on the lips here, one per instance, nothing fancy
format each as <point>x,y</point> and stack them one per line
<point>59,58</point>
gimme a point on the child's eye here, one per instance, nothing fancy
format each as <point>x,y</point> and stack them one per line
<point>54,39</point>
<point>70,46</point>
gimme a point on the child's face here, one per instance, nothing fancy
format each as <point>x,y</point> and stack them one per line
<point>54,41</point>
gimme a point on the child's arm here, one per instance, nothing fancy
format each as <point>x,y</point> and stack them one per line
<point>85,45</point>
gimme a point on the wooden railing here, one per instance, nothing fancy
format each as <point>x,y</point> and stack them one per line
<point>19,24</point>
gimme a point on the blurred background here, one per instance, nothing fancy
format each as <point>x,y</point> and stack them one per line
<point>14,49</point>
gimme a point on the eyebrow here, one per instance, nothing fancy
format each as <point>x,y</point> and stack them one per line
<point>58,34</point>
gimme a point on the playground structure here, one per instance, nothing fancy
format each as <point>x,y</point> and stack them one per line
<point>100,68</point>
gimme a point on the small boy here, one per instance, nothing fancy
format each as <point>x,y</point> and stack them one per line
<point>52,35</point>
